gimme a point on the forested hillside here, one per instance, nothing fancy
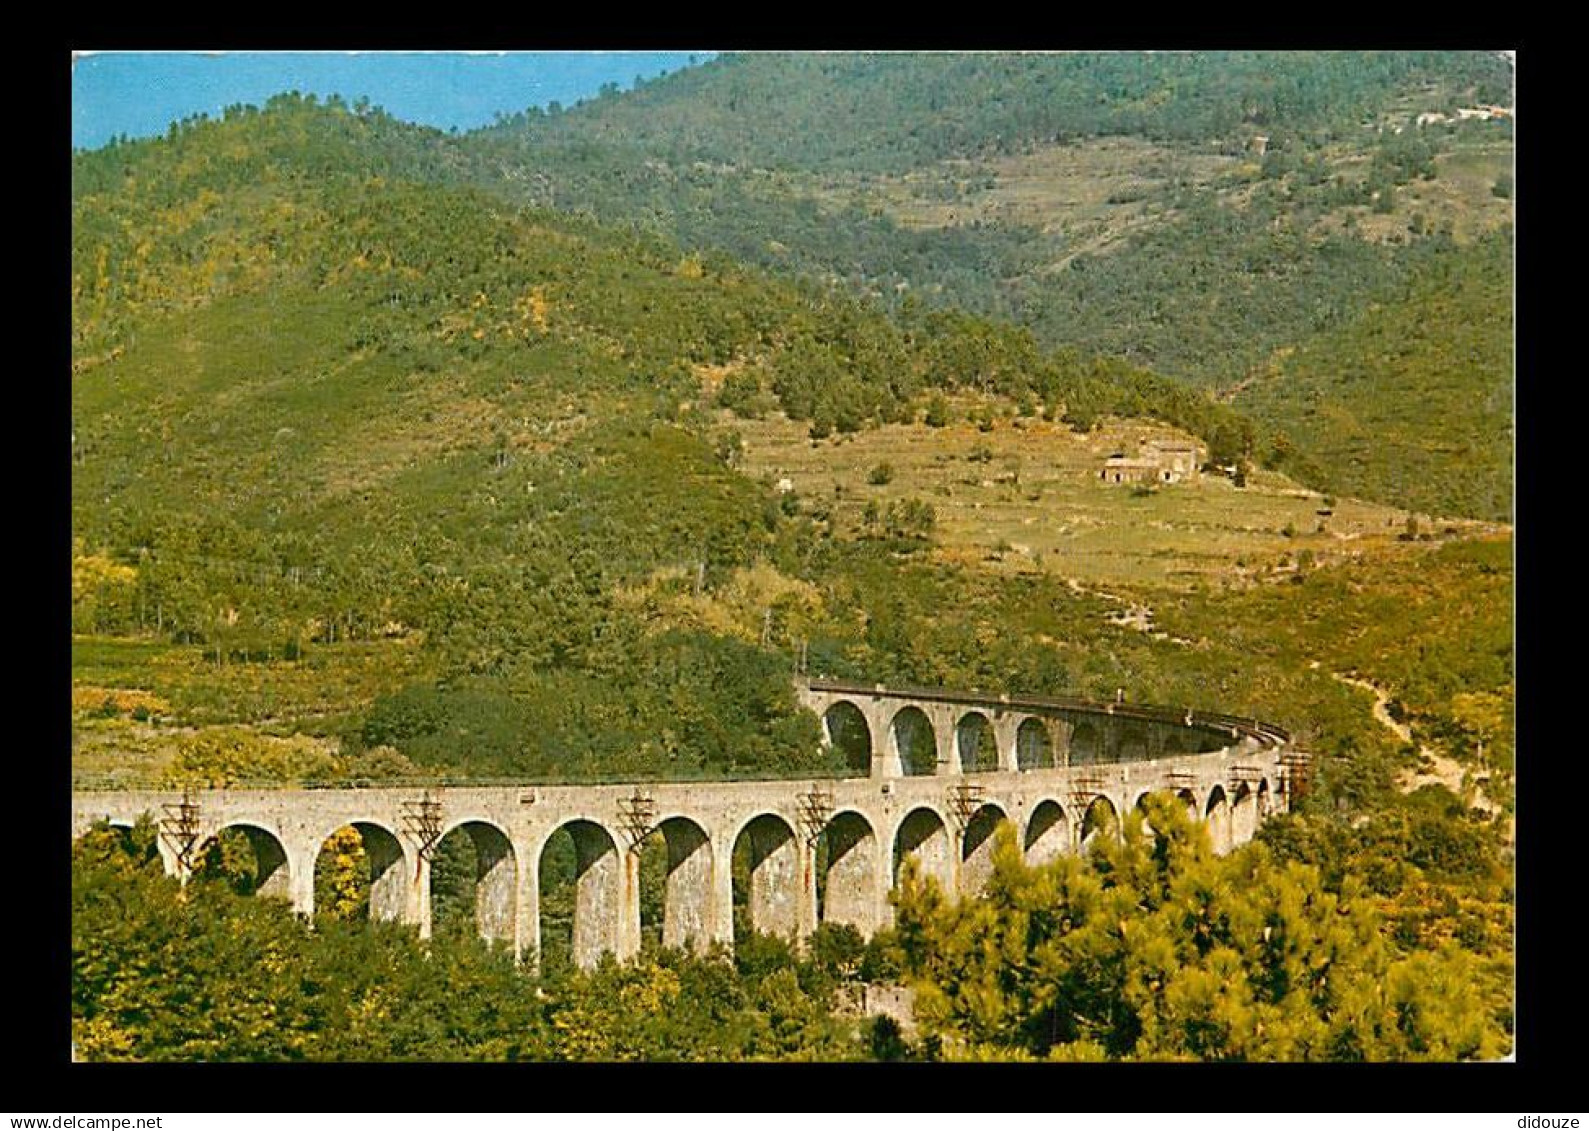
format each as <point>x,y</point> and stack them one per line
<point>870,113</point>
<point>317,402</point>
<point>1194,214</point>
<point>1410,398</point>
<point>1264,198</point>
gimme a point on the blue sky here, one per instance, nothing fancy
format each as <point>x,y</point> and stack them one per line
<point>141,93</point>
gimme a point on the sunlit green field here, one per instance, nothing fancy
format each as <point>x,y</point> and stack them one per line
<point>1027,496</point>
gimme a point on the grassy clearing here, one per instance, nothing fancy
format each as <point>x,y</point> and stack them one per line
<point>280,695</point>
<point>1095,186</point>
<point>1036,503</point>
<point>137,703</point>
<point>108,751</point>
<point>1459,199</point>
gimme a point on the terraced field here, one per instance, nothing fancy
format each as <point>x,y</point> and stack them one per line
<point>1027,496</point>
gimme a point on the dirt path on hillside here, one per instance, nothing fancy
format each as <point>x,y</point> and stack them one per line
<point>1132,615</point>
<point>1446,771</point>
<point>1229,394</point>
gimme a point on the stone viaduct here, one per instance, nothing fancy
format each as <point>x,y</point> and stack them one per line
<point>935,772</point>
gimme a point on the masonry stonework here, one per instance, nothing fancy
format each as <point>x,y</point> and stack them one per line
<point>1230,772</point>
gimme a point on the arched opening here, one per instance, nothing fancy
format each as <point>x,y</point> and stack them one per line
<point>474,881</point>
<point>1085,745</point>
<point>361,871</point>
<point>1034,750</point>
<point>1217,813</point>
<point>1243,815</point>
<point>847,863</point>
<point>766,865</point>
<point>914,742</point>
<point>974,742</point>
<point>1265,799</point>
<point>976,847</point>
<point>249,859</point>
<point>1133,745</point>
<point>923,837</point>
<point>847,732</point>
<point>1189,800</point>
<point>1101,819</point>
<point>676,886</point>
<point>1047,833</point>
<point>581,878</point>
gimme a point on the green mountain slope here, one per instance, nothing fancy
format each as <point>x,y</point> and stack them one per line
<point>337,425</point>
<point>879,113</point>
<point>1114,204</point>
<point>317,403</point>
<point>1410,399</point>
<point>1245,216</point>
<point>1191,213</point>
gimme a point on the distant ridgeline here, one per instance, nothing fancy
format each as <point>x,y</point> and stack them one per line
<point>866,112</point>
<point>1230,235</point>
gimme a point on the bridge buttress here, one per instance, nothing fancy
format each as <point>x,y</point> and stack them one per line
<point>806,909</point>
<point>722,926</point>
<point>886,763</point>
<point>527,904</point>
<point>303,850</point>
<point>1006,730</point>
<point>627,937</point>
<point>946,739</point>
<point>883,872</point>
<point>1059,732</point>
<point>301,891</point>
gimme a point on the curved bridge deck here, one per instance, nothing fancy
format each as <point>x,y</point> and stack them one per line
<point>819,850</point>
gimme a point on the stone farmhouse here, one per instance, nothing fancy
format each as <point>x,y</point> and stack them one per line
<point>1160,461</point>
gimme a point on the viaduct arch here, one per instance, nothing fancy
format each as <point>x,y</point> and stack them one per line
<point>784,855</point>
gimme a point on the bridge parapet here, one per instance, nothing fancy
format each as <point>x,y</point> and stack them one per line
<point>1066,730</point>
<point>820,849</point>
<point>868,825</point>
